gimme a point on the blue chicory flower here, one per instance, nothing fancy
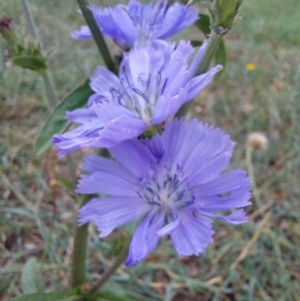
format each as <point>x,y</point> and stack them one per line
<point>175,180</point>
<point>153,83</point>
<point>139,24</point>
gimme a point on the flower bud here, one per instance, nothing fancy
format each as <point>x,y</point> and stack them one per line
<point>22,53</point>
<point>225,12</point>
<point>9,33</point>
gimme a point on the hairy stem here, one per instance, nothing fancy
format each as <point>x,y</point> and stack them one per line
<point>52,95</point>
<point>119,260</point>
<point>97,35</point>
<point>213,44</point>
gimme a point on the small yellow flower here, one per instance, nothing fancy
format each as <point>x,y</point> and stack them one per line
<point>250,67</point>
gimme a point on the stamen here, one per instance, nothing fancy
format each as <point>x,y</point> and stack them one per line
<point>168,191</point>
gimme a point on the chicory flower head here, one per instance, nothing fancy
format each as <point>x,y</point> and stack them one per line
<point>174,180</point>
<point>153,83</point>
<point>138,24</point>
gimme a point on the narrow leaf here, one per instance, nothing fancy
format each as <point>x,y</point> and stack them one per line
<point>37,64</point>
<point>30,279</point>
<point>204,24</point>
<point>57,122</point>
<point>69,295</point>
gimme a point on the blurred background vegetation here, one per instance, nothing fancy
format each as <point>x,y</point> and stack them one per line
<point>256,261</point>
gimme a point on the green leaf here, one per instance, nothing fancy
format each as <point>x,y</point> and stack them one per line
<point>35,63</point>
<point>221,57</point>
<point>30,279</point>
<point>69,295</point>
<point>204,24</point>
<point>57,122</point>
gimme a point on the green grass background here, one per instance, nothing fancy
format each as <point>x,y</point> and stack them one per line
<point>37,213</point>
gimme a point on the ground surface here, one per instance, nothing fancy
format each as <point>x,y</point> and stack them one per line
<point>256,261</point>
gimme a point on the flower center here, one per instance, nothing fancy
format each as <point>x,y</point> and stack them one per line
<point>168,190</point>
<point>141,100</point>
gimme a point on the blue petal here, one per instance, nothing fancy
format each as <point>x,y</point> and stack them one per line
<point>225,183</point>
<point>144,239</point>
<point>173,142</point>
<point>137,67</point>
<point>238,198</point>
<point>212,168</point>
<point>109,111</point>
<point>180,139</point>
<point>179,61</point>
<point>155,146</point>
<point>104,82</point>
<point>83,34</point>
<point>197,84</point>
<point>236,218</point>
<point>167,106</point>
<point>94,163</point>
<point>81,116</point>
<point>106,183</point>
<point>179,82</point>
<point>210,143</point>
<point>197,60</point>
<point>110,124</point>
<point>192,235</point>
<point>121,129</point>
<point>108,214</point>
<point>139,64</point>
<point>170,227</point>
<point>160,54</point>
<point>176,18</point>
<point>135,156</point>
<point>83,136</point>
<point>116,23</point>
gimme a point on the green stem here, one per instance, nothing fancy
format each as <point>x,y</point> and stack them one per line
<point>79,252</point>
<point>213,44</point>
<point>30,21</point>
<point>50,90</point>
<point>97,35</point>
<point>119,260</point>
<point>80,244</point>
<point>52,95</point>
